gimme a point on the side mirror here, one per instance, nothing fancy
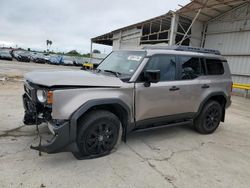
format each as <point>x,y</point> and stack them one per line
<point>151,76</point>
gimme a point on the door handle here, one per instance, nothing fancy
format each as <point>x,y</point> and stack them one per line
<point>174,88</point>
<point>205,86</point>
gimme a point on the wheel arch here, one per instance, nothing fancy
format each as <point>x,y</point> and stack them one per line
<point>116,106</point>
<point>217,96</point>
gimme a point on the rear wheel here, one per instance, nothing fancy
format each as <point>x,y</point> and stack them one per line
<point>98,134</point>
<point>209,119</point>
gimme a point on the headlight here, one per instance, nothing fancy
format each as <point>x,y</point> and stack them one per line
<point>41,96</point>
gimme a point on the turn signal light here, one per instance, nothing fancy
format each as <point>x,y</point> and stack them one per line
<point>50,97</point>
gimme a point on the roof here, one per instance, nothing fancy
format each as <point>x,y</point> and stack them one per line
<point>151,52</point>
<point>209,9</point>
<point>183,50</point>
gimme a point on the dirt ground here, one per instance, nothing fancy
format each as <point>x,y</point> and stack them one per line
<point>174,157</point>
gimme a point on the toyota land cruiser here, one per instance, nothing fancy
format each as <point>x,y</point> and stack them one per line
<point>87,112</point>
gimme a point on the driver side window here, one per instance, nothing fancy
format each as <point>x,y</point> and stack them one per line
<point>166,64</point>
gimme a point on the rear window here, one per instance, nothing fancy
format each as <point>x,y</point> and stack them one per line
<point>214,67</point>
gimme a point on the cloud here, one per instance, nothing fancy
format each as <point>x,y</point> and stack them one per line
<point>71,24</point>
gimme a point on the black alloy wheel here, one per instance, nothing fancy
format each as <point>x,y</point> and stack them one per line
<point>209,119</point>
<point>212,117</point>
<point>101,138</point>
<point>98,134</point>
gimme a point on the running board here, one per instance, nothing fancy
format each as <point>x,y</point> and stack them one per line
<point>163,126</point>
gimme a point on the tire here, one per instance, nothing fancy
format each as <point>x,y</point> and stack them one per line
<point>209,118</point>
<point>99,133</point>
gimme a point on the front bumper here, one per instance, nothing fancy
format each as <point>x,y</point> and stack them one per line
<point>59,130</point>
<point>60,141</point>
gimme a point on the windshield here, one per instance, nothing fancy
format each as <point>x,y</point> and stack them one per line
<point>122,62</point>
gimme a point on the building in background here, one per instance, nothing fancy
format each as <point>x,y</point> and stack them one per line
<point>217,24</point>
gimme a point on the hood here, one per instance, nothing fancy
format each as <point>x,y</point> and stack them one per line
<point>72,78</point>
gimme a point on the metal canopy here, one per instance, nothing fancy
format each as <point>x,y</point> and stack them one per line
<point>210,9</point>
<point>164,28</point>
<point>107,38</point>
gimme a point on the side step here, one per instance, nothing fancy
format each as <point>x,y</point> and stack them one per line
<point>153,127</point>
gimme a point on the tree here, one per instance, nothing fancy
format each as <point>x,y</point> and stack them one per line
<point>28,49</point>
<point>48,43</point>
<point>95,51</point>
<point>74,53</point>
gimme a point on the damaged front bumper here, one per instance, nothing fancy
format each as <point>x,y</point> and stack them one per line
<point>60,141</point>
<point>59,130</point>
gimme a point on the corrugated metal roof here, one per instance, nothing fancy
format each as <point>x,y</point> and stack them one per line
<point>210,9</point>
<point>107,38</point>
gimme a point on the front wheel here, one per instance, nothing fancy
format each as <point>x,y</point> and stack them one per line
<point>209,119</point>
<point>98,134</point>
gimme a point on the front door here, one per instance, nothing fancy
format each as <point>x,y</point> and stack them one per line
<point>163,98</point>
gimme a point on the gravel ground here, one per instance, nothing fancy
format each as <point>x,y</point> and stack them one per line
<point>174,157</point>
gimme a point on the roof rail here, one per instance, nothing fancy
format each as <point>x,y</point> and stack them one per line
<point>183,48</point>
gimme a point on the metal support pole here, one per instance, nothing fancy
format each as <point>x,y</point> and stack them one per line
<point>184,37</point>
<point>204,35</point>
<point>120,40</point>
<point>173,29</point>
<point>91,51</point>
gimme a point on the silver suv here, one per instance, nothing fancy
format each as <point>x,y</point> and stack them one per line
<point>87,112</point>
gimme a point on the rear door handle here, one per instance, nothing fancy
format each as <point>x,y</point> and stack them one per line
<point>205,86</point>
<point>174,88</point>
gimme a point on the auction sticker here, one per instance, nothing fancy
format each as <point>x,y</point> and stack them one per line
<point>134,58</point>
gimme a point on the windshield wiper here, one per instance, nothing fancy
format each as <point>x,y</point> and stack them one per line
<point>117,74</point>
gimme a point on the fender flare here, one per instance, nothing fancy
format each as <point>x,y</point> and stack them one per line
<point>95,102</point>
<point>208,98</point>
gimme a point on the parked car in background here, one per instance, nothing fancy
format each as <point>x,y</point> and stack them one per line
<point>33,55</point>
<point>55,59</point>
<point>22,56</point>
<point>5,55</point>
<point>42,58</point>
<point>38,58</point>
<point>78,61</point>
<point>68,60</point>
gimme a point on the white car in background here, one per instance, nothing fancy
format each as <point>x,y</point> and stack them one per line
<point>68,60</point>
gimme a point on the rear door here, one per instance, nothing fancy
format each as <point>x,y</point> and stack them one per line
<point>192,82</point>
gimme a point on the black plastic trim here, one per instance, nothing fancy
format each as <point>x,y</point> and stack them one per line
<point>85,107</point>
<point>159,121</point>
<point>228,101</point>
<point>59,142</point>
<point>184,122</point>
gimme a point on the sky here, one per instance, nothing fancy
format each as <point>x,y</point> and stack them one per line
<point>70,24</point>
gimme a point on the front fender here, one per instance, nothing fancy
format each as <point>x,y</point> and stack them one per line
<point>88,105</point>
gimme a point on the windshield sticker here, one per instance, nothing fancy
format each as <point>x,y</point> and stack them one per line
<point>134,58</point>
<point>131,70</point>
